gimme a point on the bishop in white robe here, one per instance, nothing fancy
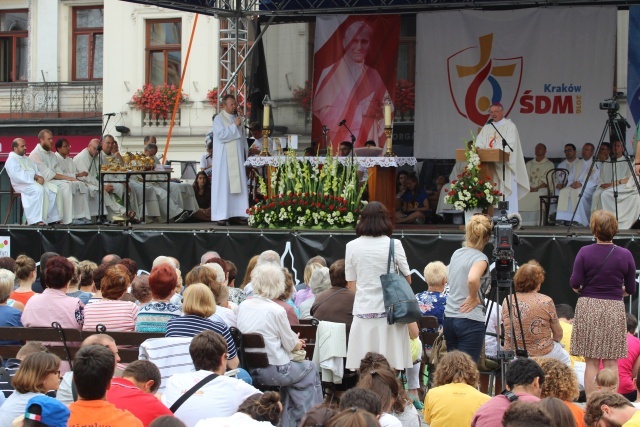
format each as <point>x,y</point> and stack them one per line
<point>229,195</point>
<point>38,197</point>
<point>87,161</point>
<point>516,181</point>
<point>83,207</point>
<point>537,169</point>
<point>616,175</point>
<point>49,170</point>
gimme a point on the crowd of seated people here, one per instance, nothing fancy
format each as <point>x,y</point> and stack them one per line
<point>216,388</point>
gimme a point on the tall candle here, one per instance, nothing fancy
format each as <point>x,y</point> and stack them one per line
<point>265,117</point>
<point>387,115</point>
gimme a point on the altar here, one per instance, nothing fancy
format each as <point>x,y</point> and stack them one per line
<point>381,180</point>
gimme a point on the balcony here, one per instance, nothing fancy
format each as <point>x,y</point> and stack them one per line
<point>55,100</point>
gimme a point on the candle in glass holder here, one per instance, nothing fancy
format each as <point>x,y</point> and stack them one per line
<point>387,115</point>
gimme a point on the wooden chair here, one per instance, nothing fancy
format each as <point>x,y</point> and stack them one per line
<point>13,196</point>
<point>308,333</point>
<point>427,324</point>
<point>554,177</point>
<point>255,358</point>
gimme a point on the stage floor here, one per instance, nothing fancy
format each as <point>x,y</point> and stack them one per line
<point>438,229</point>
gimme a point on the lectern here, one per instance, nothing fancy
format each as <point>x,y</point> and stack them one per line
<point>488,159</point>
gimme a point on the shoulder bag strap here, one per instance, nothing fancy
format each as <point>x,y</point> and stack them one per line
<point>599,270</point>
<point>178,403</point>
<point>392,256</point>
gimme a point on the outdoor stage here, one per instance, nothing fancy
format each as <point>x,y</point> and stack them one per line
<point>551,246</point>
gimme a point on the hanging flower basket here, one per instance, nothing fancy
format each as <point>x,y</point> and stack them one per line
<point>157,101</point>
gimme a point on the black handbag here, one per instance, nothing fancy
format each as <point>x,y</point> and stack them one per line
<point>400,303</point>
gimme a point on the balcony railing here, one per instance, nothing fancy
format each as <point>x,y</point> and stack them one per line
<point>50,100</point>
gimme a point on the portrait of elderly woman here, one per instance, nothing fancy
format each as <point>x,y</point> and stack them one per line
<point>351,90</point>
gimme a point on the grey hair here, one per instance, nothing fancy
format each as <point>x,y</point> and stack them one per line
<point>208,255</point>
<point>269,257</point>
<point>7,280</point>
<point>435,272</point>
<point>165,260</point>
<point>268,281</point>
<point>319,280</point>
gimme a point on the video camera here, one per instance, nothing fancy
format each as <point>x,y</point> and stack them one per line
<point>504,240</point>
<point>611,105</point>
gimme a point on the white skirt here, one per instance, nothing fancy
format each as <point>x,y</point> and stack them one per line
<point>392,341</point>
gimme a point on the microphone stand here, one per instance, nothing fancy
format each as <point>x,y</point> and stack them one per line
<point>101,219</point>
<point>325,131</point>
<point>504,146</point>
<point>353,139</point>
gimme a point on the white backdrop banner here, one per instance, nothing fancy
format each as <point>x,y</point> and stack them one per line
<point>549,68</point>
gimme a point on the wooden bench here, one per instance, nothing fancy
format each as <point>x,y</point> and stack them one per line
<point>65,343</point>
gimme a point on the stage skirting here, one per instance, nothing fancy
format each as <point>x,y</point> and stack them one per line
<point>555,253</point>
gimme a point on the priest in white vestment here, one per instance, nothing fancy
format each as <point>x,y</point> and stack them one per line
<point>569,195</point>
<point>229,195</point>
<point>569,163</point>
<point>537,169</point>
<point>617,175</point>
<point>516,180</point>
<point>87,161</point>
<point>84,207</point>
<point>38,198</point>
<point>49,170</point>
<point>181,193</point>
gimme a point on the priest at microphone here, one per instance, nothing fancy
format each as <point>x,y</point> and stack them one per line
<point>516,179</point>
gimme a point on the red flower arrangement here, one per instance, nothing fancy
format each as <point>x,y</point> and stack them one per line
<point>157,100</point>
<point>405,97</point>
<point>303,96</point>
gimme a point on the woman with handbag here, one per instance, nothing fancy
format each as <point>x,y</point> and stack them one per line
<point>468,274</point>
<point>603,274</point>
<point>366,260</point>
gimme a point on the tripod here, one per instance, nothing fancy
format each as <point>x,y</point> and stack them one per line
<point>612,127</point>
<point>503,288</point>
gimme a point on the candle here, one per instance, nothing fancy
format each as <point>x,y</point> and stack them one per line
<point>265,117</point>
<point>387,115</point>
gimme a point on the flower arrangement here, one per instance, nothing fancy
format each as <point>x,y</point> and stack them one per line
<point>303,96</point>
<point>212,98</point>
<point>157,100</point>
<point>470,190</point>
<point>308,195</point>
<point>405,97</point>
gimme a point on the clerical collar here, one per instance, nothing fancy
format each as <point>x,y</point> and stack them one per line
<point>501,122</point>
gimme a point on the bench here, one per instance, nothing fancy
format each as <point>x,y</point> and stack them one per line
<point>65,343</point>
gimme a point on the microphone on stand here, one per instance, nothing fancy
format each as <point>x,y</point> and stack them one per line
<point>489,122</point>
<point>342,122</point>
<point>109,114</point>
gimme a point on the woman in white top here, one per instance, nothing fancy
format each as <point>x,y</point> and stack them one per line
<point>365,261</point>
<point>38,374</point>
<point>299,381</point>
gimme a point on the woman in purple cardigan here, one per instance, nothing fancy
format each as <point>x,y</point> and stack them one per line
<point>603,274</point>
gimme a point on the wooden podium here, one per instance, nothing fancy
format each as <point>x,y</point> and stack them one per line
<point>382,188</point>
<point>488,159</point>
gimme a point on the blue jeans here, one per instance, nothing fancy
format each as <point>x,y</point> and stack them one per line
<point>465,335</point>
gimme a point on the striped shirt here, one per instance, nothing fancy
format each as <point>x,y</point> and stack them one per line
<point>191,325</point>
<point>153,316</point>
<point>115,315</point>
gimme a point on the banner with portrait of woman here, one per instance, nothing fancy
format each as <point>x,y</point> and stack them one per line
<point>354,69</point>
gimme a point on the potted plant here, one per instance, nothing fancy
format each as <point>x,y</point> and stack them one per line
<point>157,101</point>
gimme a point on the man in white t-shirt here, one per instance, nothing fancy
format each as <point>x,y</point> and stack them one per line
<point>220,397</point>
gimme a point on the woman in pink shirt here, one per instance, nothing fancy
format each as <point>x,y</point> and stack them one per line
<point>114,314</point>
<point>628,367</point>
<point>53,304</point>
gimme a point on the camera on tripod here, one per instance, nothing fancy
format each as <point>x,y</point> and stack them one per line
<point>503,243</point>
<point>611,105</point>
